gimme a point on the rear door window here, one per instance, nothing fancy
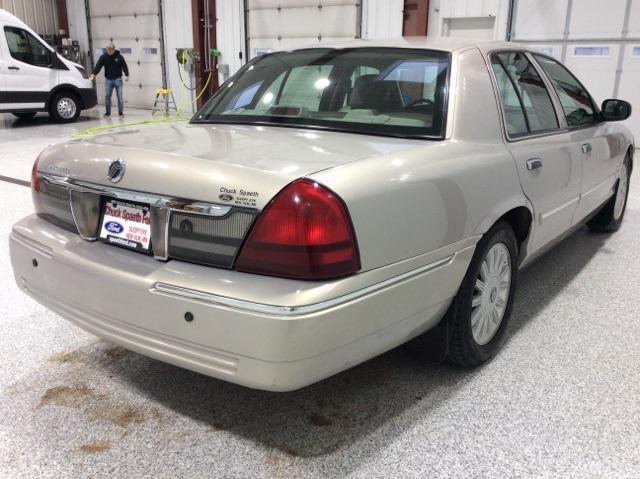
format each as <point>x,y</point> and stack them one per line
<point>575,99</point>
<point>526,102</point>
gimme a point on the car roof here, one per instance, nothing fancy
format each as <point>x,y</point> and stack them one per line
<point>446,44</point>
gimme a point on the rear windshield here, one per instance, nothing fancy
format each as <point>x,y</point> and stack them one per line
<point>384,91</point>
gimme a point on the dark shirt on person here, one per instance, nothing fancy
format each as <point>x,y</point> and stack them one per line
<point>113,65</point>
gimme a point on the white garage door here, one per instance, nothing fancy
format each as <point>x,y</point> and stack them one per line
<point>134,28</point>
<point>286,24</point>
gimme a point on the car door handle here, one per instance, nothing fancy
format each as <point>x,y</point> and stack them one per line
<point>14,68</point>
<point>586,147</point>
<point>534,164</point>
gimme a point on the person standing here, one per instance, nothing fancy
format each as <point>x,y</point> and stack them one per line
<point>114,65</point>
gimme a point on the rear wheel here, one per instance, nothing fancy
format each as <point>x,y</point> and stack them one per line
<point>25,115</point>
<point>610,217</point>
<point>65,107</point>
<point>481,309</point>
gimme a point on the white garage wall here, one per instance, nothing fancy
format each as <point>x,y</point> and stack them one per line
<point>77,18</point>
<point>178,33</point>
<point>479,19</point>
<point>40,15</point>
<point>337,20</point>
<point>285,24</point>
<point>382,18</point>
<point>594,38</point>
<point>230,36</point>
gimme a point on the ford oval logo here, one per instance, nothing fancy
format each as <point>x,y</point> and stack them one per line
<point>113,227</point>
<point>116,170</point>
<point>225,197</point>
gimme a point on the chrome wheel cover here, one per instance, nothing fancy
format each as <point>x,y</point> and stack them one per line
<point>491,294</point>
<point>66,108</point>
<point>621,195</point>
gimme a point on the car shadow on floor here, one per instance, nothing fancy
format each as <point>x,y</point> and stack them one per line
<point>334,414</point>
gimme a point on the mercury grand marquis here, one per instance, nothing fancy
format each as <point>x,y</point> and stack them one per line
<point>324,206</point>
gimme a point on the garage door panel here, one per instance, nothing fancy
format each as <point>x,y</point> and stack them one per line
<point>123,7</point>
<point>142,26</point>
<point>629,90</point>
<point>274,25</point>
<point>135,30</point>
<point>540,19</point>
<point>299,22</point>
<point>596,19</point>
<point>134,95</point>
<point>147,74</point>
<point>598,73</point>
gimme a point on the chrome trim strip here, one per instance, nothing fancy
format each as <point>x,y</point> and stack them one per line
<point>554,211</point>
<point>599,185</point>
<point>159,205</point>
<point>292,311</point>
<point>179,204</point>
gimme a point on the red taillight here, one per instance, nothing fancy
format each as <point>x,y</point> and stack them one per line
<point>304,233</point>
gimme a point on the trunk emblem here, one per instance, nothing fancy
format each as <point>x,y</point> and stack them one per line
<point>116,170</point>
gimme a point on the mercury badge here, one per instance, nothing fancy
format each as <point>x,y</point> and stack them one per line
<point>116,170</point>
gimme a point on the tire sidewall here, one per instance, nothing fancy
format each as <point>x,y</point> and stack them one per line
<point>618,222</point>
<point>500,233</point>
<point>54,107</point>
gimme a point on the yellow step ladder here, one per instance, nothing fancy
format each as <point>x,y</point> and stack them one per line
<point>165,102</point>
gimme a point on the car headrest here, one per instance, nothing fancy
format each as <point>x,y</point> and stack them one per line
<point>371,93</point>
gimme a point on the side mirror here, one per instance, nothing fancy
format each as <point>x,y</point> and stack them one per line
<point>615,110</point>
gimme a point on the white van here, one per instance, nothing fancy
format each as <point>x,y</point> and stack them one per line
<point>33,77</point>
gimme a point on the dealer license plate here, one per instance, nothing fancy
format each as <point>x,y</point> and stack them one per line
<point>127,225</point>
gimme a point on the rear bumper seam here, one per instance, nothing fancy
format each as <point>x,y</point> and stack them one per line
<point>291,311</point>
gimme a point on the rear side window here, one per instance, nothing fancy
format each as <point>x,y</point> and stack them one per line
<point>575,99</point>
<point>25,48</point>
<point>525,99</point>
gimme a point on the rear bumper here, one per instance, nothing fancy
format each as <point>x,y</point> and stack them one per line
<point>140,303</point>
<point>88,97</point>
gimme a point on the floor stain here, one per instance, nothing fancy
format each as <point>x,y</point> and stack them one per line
<point>95,447</point>
<point>114,353</point>
<point>318,419</point>
<point>67,396</point>
<point>126,416</point>
<point>69,357</point>
<point>96,406</point>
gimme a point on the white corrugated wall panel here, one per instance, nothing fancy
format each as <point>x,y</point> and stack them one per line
<point>382,18</point>
<point>230,36</point>
<point>178,33</point>
<point>40,15</point>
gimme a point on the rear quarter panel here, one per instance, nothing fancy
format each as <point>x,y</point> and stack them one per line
<point>438,193</point>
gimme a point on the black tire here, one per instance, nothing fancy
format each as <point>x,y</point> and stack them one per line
<point>25,115</point>
<point>606,221</point>
<point>65,107</point>
<point>464,350</point>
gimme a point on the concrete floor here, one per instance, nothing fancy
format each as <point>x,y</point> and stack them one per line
<point>561,400</point>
